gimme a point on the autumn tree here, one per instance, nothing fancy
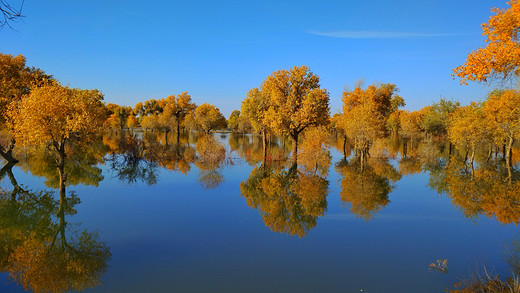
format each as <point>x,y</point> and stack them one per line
<point>118,115</point>
<point>208,117</point>
<point>365,113</point>
<point>16,80</point>
<point>54,116</point>
<point>436,121</point>
<point>179,107</point>
<point>254,109</point>
<point>296,102</point>
<point>502,110</point>
<point>500,58</point>
<point>132,122</point>
<point>469,129</point>
<point>410,127</point>
<point>233,120</point>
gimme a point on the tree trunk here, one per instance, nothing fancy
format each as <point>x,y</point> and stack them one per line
<point>509,150</point>
<point>7,154</point>
<point>294,137</point>
<point>405,147</point>
<point>264,143</point>
<point>472,157</point>
<point>344,146</point>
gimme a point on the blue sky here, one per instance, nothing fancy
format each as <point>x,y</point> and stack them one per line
<point>218,50</point>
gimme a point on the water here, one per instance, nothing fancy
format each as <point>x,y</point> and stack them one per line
<point>206,227</point>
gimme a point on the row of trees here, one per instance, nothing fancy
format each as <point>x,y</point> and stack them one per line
<point>175,112</point>
<point>36,110</point>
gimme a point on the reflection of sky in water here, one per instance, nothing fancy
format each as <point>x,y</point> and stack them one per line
<point>178,236</point>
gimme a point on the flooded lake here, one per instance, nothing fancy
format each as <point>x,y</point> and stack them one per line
<point>149,213</point>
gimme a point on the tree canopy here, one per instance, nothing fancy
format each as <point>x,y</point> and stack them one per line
<point>500,58</point>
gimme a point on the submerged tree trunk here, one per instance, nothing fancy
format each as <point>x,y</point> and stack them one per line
<point>509,150</point>
<point>294,137</point>
<point>7,153</point>
<point>344,146</point>
<point>472,156</point>
<point>405,147</point>
<point>264,143</point>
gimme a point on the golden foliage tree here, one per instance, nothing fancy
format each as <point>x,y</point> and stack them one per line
<point>54,115</point>
<point>468,129</point>
<point>16,80</point>
<point>296,102</point>
<point>365,113</point>
<point>179,107</point>
<point>502,110</point>
<point>500,58</point>
<point>208,117</point>
<point>254,108</point>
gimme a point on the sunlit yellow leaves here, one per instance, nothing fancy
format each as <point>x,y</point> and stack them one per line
<point>296,101</point>
<point>468,128</point>
<point>208,117</point>
<point>500,58</point>
<point>54,113</point>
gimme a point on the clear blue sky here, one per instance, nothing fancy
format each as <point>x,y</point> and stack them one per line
<point>218,50</point>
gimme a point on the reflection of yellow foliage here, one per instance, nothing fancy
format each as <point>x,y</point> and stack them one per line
<point>210,156</point>
<point>289,201</point>
<point>314,155</point>
<point>410,166</point>
<point>367,190</point>
<point>485,190</point>
<point>41,267</point>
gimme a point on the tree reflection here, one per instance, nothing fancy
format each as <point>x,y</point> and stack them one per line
<point>127,159</point>
<point>35,250</point>
<point>210,157</point>
<point>366,187</point>
<point>289,200</point>
<point>492,189</point>
<point>81,165</point>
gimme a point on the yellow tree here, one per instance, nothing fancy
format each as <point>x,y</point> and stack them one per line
<point>411,127</point>
<point>296,102</point>
<point>208,117</point>
<point>16,80</point>
<point>365,113</point>
<point>54,115</point>
<point>500,58</point>
<point>502,110</point>
<point>132,122</point>
<point>254,108</point>
<point>468,129</point>
<point>179,107</point>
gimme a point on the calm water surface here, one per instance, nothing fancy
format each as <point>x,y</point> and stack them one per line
<point>210,217</point>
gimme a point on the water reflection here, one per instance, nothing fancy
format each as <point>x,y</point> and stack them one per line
<point>289,200</point>
<point>491,189</point>
<point>35,249</point>
<point>366,186</point>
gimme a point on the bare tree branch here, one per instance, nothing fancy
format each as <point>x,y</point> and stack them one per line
<point>9,13</point>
